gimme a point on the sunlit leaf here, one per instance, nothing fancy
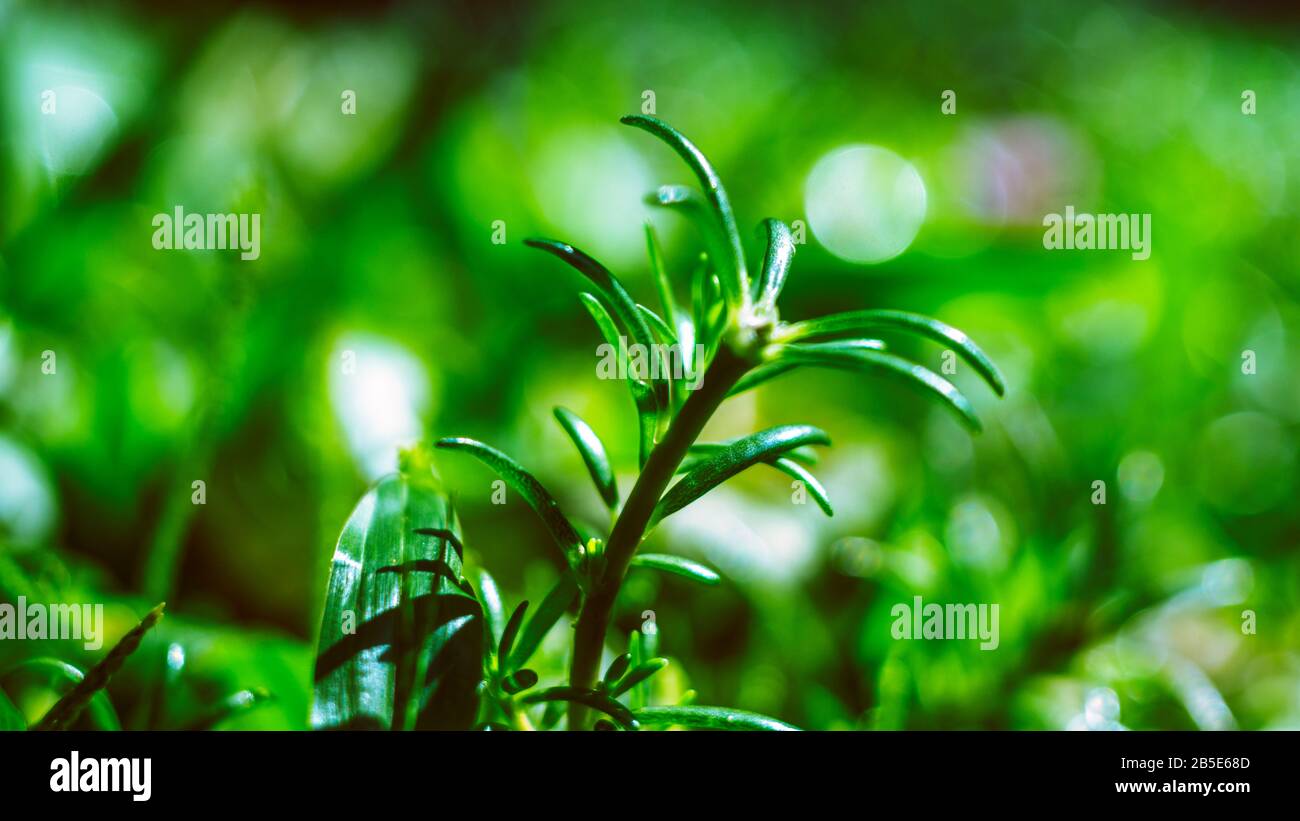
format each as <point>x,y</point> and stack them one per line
<point>401,639</point>
<point>623,304</point>
<point>776,265</point>
<point>735,280</point>
<point>876,320</point>
<point>524,483</point>
<point>864,359</point>
<point>508,634</point>
<point>738,455</point>
<point>677,565</point>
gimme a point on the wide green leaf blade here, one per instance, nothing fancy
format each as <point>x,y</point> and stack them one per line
<point>552,608</point>
<point>836,356</point>
<point>737,456</point>
<point>52,674</point>
<point>708,718</point>
<point>527,486</point>
<point>735,283</point>
<point>593,454</point>
<point>677,565</point>
<point>875,320</point>
<point>402,636</point>
<point>776,265</point>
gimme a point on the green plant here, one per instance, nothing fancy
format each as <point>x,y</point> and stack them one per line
<point>426,641</point>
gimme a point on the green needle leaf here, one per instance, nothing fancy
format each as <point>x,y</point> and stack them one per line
<point>658,326</point>
<point>520,681</point>
<point>637,675</point>
<point>662,282</point>
<point>692,205</point>
<point>617,668</point>
<point>623,304</point>
<point>490,597</point>
<point>593,454</point>
<point>709,718</point>
<point>735,283</point>
<point>870,321</point>
<point>528,487</point>
<point>643,396</point>
<point>66,709</point>
<point>676,564</point>
<point>738,455</point>
<point>555,605</point>
<point>776,264</point>
<point>508,635</point>
<point>597,701</point>
<point>861,359</point>
<point>792,468</point>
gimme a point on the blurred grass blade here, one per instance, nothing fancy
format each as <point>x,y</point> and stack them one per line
<point>624,306</point>
<point>232,706</point>
<point>836,356</point>
<point>637,675</point>
<point>709,718</point>
<point>523,482</point>
<point>62,715</point>
<point>643,397</point>
<point>875,320</point>
<point>394,651</point>
<point>735,284</point>
<point>10,718</point>
<point>59,676</point>
<point>508,635</point>
<point>590,698</point>
<point>737,456</point>
<point>776,264</point>
<point>662,282</point>
<point>792,468</point>
<point>555,605</point>
<point>593,454</point>
<point>676,564</point>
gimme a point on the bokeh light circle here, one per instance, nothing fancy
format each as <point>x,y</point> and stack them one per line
<point>865,203</point>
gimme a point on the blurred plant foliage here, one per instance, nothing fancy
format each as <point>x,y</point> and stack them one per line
<point>382,313</point>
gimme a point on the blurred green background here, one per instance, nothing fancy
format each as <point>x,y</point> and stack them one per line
<point>377,245</point>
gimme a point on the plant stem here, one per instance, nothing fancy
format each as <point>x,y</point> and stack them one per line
<point>593,620</point>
